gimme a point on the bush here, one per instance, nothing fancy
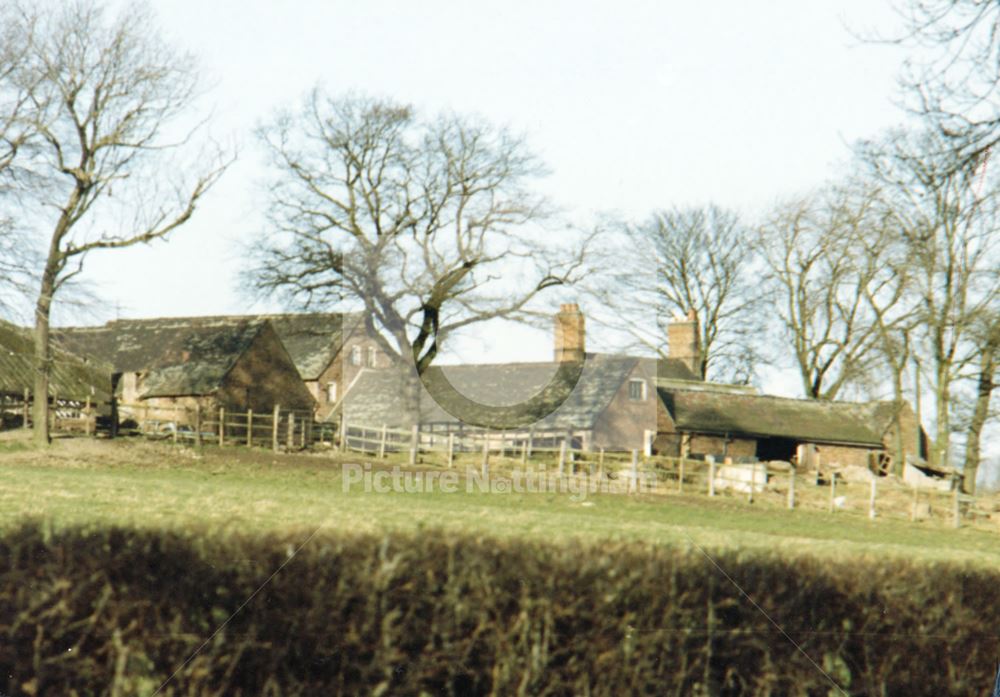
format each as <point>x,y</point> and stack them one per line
<point>117,612</point>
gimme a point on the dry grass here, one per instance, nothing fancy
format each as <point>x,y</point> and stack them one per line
<point>139,484</point>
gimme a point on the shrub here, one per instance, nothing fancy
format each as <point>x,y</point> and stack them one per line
<point>118,611</point>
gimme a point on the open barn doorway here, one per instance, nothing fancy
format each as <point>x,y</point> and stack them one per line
<point>776,449</point>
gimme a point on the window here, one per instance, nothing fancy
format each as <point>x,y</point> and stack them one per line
<point>371,356</point>
<point>637,390</point>
<point>331,392</point>
<point>356,355</point>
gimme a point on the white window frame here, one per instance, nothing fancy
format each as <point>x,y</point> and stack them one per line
<point>372,353</point>
<point>642,390</point>
<point>356,355</point>
<point>331,391</point>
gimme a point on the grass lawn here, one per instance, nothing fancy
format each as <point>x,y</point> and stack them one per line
<point>133,483</point>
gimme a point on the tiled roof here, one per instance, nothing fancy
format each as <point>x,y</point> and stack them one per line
<point>177,359</point>
<point>312,339</point>
<point>72,377</point>
<point>530,391</point>
<point>764,415</point>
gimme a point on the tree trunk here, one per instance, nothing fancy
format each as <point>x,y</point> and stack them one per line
<point>899,448</point>
<point>942,431</point>
<point>984,390</point>
<point>43,360</point>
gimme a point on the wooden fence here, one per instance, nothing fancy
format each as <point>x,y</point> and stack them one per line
<point>828,490</point>
<point>558,453</point>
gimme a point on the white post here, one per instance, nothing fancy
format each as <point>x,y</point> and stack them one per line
<point>451,450</point>
<point>791,488</point>
<point>274,427</point>
<point>381,444</point>
<point>562,457</point>
<point>647,442</point>
<point>871,499</point>
<point>414,436</point>
<point>711,474</point>
<point>634,477</point>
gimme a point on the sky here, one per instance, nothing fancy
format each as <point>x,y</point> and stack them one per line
<point>633,106</point>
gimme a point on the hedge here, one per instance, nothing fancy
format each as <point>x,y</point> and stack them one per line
<point>121,612</point>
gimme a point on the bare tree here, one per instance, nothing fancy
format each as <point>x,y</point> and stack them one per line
<point>680,260</point>
<point>945,219</point>
<point>94,172</point>
<point>987,338</point>
<point>954,76</point>
<point>826,271</point>
<point>422,223</point>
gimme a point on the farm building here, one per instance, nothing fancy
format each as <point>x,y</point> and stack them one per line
<point>743,426</point>
<point>625,402</point>
<point>72,379</point>
<point>328,349</point>
<point>595,400</point>
<point>168,363</point>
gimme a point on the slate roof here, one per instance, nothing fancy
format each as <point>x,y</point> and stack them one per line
<point>312,339</point>
<point>764,415</point>
<point>530,391</point>
<point>71,378</point>
<point>674,369</point>
<point>177,359</point>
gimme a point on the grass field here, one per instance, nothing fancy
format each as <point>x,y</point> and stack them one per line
<point>151,485</point>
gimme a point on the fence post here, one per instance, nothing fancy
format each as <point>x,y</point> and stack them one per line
<point>486,457</point>
<point>382,441</point>
<point>414,436</point>
<point>956,513</point>
<point>711,474</point>
<point>753,481</point>
<point>833,489</point>
<point>451,450</point>
<point>634,475</point>
<point>275,419</point>
<point>524,452</point>
<point>531,441</point>
<point>249,427</point>
<point>197,424</point>
<point>290,436</point>
<point>871,498</point>
<point>86,418</point>
<point>222,426</point>
<point>791,488</point>
<point>562,458</point>
<point>680,476</point>
<point>306,421</point>
<point>27,410</point>
<point>343,431</point>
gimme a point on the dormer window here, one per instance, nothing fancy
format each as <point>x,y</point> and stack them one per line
<point>637,390</point>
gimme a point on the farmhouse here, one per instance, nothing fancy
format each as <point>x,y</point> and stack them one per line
<point>168,363</point>
<point>594,400</point>
<point>623,402</point>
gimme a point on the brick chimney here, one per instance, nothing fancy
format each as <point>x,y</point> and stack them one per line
<point>682,341</point>
<point>569,345</point>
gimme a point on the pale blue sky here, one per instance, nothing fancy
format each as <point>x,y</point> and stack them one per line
<point>633,106</point>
